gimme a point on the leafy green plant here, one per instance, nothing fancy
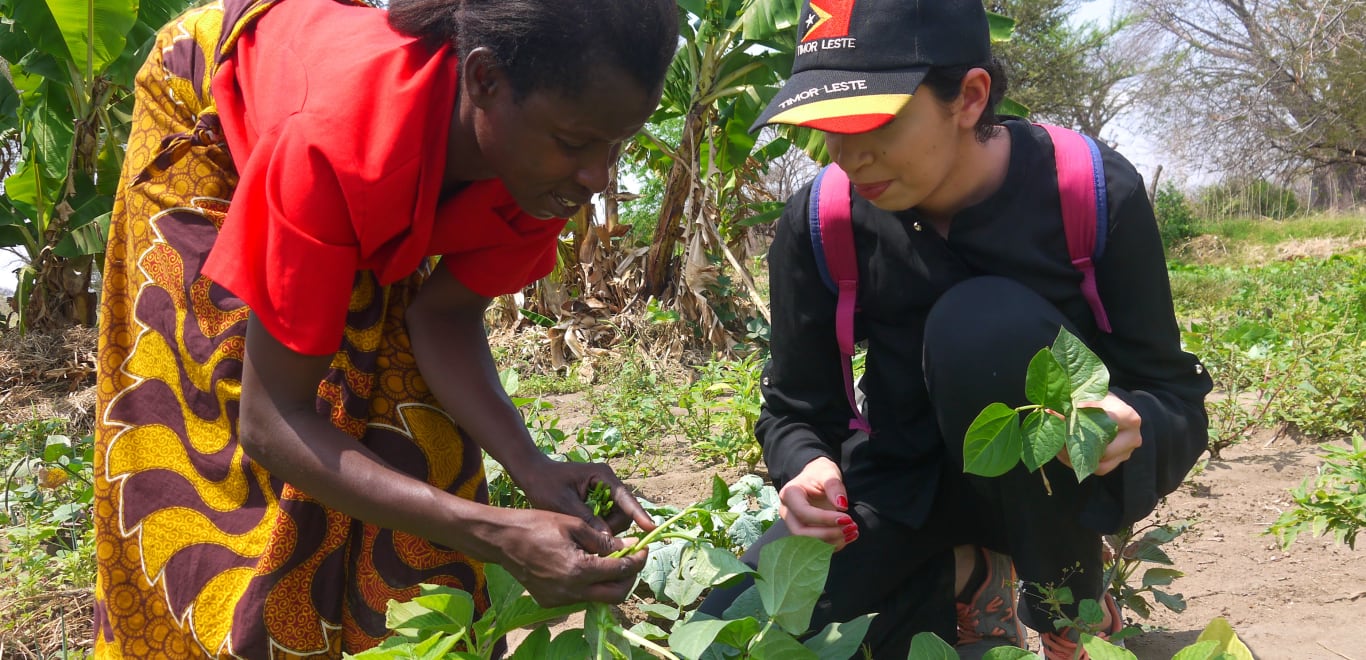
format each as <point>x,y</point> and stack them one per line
<point>1057,381</point>
<point>45,507</point>
<point>1335,501</point>
<point>723,407</point>
<point>1175,220</point>
<point>65,106</point>
<point>765,623</point>
<point>1129,551</point>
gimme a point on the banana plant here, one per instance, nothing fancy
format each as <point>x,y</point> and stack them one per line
<point>734,54</point>
<point>66,73</point>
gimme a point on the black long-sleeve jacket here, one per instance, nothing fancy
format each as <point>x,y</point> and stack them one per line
<point>1018,233</point>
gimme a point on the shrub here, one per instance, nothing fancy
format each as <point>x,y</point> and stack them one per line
<point>1175,220</point>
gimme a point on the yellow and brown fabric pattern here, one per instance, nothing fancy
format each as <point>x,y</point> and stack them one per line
<point>200,551</point>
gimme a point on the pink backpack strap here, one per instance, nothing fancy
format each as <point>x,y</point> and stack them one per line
<point>1085,210</point>
<point>832,238</point>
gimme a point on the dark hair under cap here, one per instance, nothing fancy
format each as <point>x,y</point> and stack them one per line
<point>551,44</point>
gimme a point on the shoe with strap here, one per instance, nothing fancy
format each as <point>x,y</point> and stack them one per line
<point>1063,644</point>
<point>987,619</point>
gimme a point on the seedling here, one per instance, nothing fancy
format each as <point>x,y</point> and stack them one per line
<point>599,499</point>
<point>1059,379</point>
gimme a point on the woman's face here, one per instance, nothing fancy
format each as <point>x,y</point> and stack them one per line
<point>906,163</point>
<point>553,151</point>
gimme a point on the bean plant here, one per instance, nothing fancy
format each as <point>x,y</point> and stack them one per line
<point>1058,380</point>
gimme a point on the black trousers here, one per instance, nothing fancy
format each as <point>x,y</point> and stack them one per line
<point>979,339</point>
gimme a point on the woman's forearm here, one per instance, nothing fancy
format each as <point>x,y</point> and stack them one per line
<point>452,351</point>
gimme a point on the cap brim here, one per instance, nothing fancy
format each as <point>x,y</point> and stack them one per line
<point>838,101</point>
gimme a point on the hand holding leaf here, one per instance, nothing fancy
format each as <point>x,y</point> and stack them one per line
<point>1061,383</point>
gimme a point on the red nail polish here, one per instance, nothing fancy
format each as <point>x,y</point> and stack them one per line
<point>843,520</point>
<point>851,529</point>
<point>842,502</point>
<point>850,535</point>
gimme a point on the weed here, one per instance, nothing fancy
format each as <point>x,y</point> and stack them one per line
<point>45,509</point>
<point>1128,551</point>
<point>723,406</point>
<point>1335,500</point>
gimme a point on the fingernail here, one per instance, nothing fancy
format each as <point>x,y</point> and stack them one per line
<point>843,520</point>
<point>842,502</point>
<point>851,529</point>
<point>850,535</point>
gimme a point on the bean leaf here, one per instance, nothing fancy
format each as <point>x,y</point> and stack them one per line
<point>992,445</point>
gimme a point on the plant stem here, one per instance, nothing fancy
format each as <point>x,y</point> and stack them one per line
<point>656,533</point>
<point>647,644</point>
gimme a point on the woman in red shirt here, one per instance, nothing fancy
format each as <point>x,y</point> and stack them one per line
<point>294,392</point>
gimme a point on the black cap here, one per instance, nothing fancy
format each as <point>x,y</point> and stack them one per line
<point>859,61</point>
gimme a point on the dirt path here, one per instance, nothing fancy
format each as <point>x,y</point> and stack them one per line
<point>1307,603</point>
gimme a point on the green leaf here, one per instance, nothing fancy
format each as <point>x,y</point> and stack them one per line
<point>774,644</point>
<point>438,609</point>
<point>839,641</point>
<point>1090,380</point>
<point>1090,612</point>
<point>539,319</point>
<point>1100,649</point>
<point>513,610</point>
<point>86,238</point>
<point>1009,106</point>
<point>1044,436</point>
<point>1047,383</point>
<point>703,566</point>
<point>692,638</point>
<point>660,565</point>
<point>1198,651</point>
<point>659,610</point>
<point>1220,631</point>
<point>1157,577</point>
<point>928,646</point>
<point>1092,429</point>
<point>93,28</point>
<point>568,645</point>
<point>1002,27</point>
<point>1010,653</point>
<point>1173,602</point>
<point>792,572</point>
<point>747,604</point>
<point>766,20</point>
<point>536,646</point>
<point>992,444</point>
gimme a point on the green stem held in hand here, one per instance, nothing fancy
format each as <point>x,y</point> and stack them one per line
<point>658,533</point>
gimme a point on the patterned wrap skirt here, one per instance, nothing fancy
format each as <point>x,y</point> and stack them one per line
<point>200,551</point>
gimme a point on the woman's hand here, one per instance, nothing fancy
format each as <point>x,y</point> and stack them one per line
<point>1127,438</point>
<point>561,559</point>
<point>814,503</point>
<point>562,487</point>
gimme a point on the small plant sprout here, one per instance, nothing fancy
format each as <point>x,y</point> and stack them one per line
<point>599,499</point>
<point>1059,379</point>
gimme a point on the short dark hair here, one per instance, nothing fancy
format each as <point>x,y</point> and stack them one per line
<point>551,44</point>
<point>947,82</point>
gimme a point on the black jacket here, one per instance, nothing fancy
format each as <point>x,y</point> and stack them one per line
<point>1016,233</point>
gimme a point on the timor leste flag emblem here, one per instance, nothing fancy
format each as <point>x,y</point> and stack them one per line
<point>827,19</point>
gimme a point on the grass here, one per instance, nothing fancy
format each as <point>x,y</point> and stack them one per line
<point>1265,231</point>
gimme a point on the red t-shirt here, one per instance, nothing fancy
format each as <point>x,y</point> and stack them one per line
<point>338,127</point>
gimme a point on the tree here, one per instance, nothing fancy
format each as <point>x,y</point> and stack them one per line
<point>68,68</point>
<point>1076,76</point>
<point>1263,89</point>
